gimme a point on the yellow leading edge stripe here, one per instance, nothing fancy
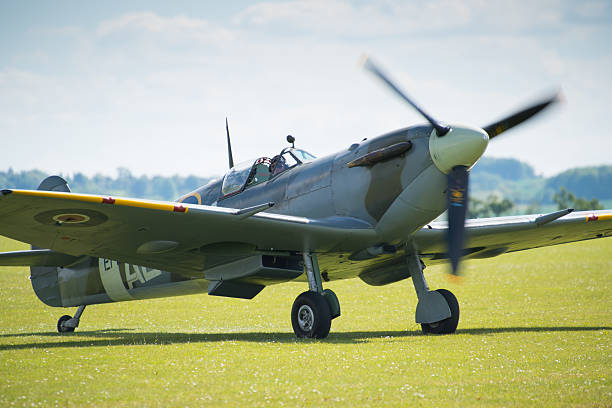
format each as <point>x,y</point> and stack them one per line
<point>103,200</point>
<point>166,207</point>
<point>598,217</point>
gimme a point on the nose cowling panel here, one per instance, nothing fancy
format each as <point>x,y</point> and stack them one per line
<point>461,146</point>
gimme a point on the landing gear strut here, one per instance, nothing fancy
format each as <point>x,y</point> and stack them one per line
<point>313,310</point>
<point>437,311</point>
<point>67,324</point>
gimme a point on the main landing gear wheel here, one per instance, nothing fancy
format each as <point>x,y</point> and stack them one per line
<point>449,325</point>
<point>310,316</point>
<point>61,327</point>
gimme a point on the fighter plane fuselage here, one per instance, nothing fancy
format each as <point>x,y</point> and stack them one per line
<point>398,195</point>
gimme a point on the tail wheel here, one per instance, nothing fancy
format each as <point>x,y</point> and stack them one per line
<point>449,325</point>
<point>310,316</point>
<point>61,328</point>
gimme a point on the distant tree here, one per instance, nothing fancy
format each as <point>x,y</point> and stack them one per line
<point>533,208</point>
<point>476,208</point>
<point>29,179</point>
<point>139,186</point>
<point>493,206</point>
<point>499,207</point>
<point>566,199</point>
<point>584,181</point>
<point>125,184</point>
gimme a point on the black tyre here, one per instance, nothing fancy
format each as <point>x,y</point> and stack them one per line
<point>310,316</point>
<point>446,326</point>
<point>61,328</point>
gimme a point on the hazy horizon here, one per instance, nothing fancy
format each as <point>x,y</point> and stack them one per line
<point>147,85</point>
<point>115,172</point>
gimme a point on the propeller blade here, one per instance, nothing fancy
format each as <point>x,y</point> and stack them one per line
<point>496,128</point>
<point>441,129</point>
<point>457,196</point>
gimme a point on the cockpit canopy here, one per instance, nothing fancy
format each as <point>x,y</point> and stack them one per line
<point>253,172</point>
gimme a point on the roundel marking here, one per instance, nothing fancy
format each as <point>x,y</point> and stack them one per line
<point>71,218</point>
<point>194,198</point>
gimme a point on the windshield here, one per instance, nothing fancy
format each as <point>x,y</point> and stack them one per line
<point>302,155</point>
<point>253,172</point>
<point>246,174</point>
<point>236,178</point>
<point>288,158</point>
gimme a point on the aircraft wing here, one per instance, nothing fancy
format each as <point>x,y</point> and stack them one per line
<point>163,235</point>
<point>490,237</point>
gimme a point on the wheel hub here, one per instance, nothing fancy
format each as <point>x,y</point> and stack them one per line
<point>305,317</point>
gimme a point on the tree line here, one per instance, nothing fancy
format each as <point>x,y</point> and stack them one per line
<point>124,185</point>
<point>495,206</point>
<point>518,182</point>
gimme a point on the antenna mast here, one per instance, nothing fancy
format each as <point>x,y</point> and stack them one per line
<point>229,145</point>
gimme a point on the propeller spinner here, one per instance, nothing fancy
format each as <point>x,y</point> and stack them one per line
<point>454,150</point>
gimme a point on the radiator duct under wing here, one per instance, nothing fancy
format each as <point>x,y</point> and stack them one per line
<point>247,277</point>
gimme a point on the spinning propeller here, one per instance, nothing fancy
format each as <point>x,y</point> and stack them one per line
<point>454,150</point>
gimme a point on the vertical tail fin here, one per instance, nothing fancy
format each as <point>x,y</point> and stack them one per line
<point>54,183</point>
<point>44,278</point>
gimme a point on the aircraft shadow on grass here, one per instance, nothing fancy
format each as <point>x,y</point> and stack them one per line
<point>127,337</point>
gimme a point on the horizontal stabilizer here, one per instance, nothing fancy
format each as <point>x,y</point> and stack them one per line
<point>36,257</point>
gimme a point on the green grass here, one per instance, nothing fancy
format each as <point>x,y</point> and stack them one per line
<point>534,331</point>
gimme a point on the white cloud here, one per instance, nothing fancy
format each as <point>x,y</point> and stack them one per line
<point>151,92</point>
<point>151,23</point>
<point>394,17</point>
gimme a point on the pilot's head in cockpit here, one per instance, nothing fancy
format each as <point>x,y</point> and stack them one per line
<point>278,165</point>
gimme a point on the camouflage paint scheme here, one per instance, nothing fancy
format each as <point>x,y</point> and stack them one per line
<point>296,192</point>
<point>365,215</point>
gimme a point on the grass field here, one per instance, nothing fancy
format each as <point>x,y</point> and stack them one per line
<point>534,331</point>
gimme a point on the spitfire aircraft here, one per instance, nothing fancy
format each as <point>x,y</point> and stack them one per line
<point>367,211</point>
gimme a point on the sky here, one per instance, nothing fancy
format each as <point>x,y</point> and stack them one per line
<point>146,85</point>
